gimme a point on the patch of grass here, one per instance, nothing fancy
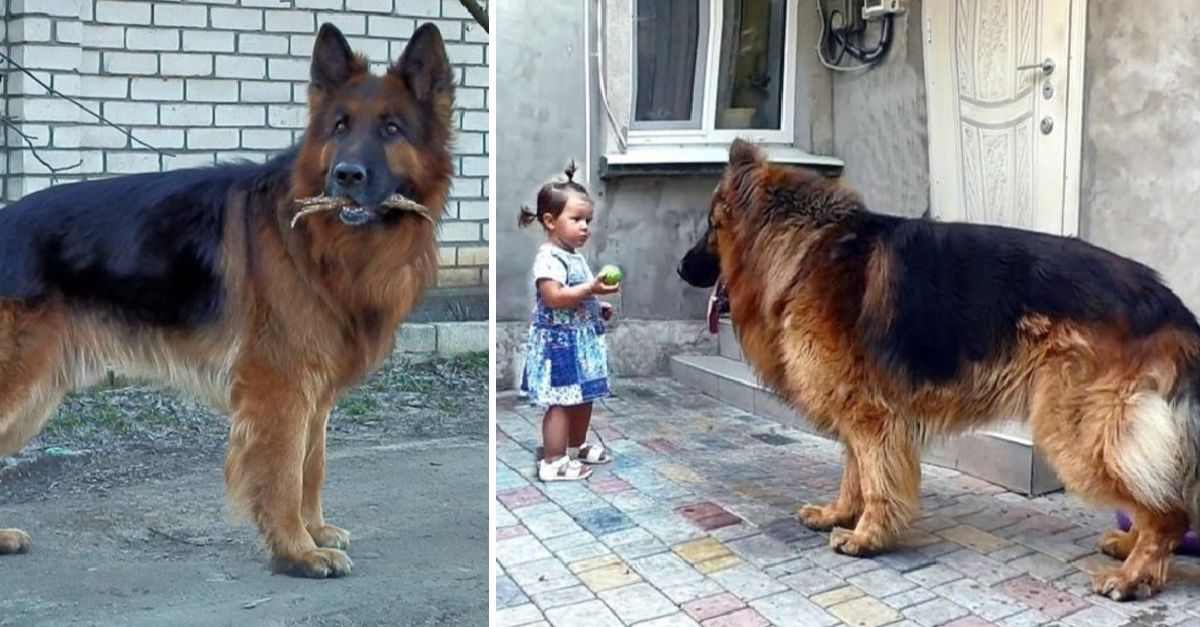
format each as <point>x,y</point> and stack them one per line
<point>358,404</point>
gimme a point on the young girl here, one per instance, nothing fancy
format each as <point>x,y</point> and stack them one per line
<point>566,360</point>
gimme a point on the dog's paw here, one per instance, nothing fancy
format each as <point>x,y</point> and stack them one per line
<point>316,564</point>
<point>847,542</point>
<point>1120,586</point>
<point>14,541</point>
<point>1116,544</point>
<point>330,537</point>
<point>817,517</point>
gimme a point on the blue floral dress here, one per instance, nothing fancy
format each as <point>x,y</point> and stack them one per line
<point>566,357</point>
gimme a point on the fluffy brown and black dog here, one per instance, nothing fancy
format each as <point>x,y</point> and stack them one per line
<point>885,331</point>
<point>200,279</point>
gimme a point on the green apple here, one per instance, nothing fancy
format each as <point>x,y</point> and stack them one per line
<point>611,275</point>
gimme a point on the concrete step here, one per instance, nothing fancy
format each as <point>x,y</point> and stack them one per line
<point>728,342</point>
<point>734,383</point>
<point>998,457</point>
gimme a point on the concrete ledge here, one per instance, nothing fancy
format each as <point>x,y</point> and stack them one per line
<point>1007,461</point>
<point>452,304</point>
<point>442,338</point>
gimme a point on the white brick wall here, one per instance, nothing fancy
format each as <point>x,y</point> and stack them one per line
<point>208,80</point>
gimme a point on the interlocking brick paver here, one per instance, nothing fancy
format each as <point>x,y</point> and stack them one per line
<point>969,621</point>
<point>551,525</point>
<point>837,595</point>
<point>980,567</point>
<point>747,582</point>
<point>608,485</point>
<point>708,515</point>
<point>791,609</point>
<point>974,538</point>
<point>1095,616</point>
<point>562,596</point>
<point>606,577</point>
<point>812,581</point>
<point>678,619</point>
<point>603,520</point>
<point>742,618</point>
<point>936,611</point>
<point>541,575</point>
<point>638,602</point>
<point>520,497</point>
<point>518,615</point>
<point>882,582</point>
<point>707,534</point>
<point>1028,618</point>
<point>909,598</point>
<point>665,569</point>
<point>574,547</point>
<point>718,563</point>
<point>762,550</point>
<point>702,550</point>
<point>511,531</point>
<point>981,600</point>
<point>716,605</point>
<point>864,612</point>
<point>684,593</point>
<point>588,613</point>
<point>1039,596</point>
<point>520,549</point>
<point>508,593</point>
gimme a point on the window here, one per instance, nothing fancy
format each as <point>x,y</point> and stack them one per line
<point>706,71</point>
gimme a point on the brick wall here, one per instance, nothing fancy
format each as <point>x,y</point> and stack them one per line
<point>210,80</point>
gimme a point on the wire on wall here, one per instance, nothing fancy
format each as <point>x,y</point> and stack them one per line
<point>600,52</point>
<point>833,45</point>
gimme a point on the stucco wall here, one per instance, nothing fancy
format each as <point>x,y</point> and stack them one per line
<point>1141,137</point>
<point>879,126</point>
<point>540,125</point>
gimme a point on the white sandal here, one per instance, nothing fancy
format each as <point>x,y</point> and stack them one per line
<point>594,454</point>
<point>562,469</point>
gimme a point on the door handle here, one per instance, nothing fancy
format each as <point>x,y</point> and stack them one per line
<point>1047,66</point>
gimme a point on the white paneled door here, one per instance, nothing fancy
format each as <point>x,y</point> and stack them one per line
<point>1003,86</point>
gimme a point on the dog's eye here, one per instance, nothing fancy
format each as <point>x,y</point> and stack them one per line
<point>391,128</point>
<point>340,127</point>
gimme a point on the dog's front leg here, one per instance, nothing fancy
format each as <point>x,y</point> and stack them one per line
<point>325,535</point>
<point>265,468</point>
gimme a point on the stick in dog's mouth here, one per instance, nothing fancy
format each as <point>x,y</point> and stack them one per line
<point>316,204</point>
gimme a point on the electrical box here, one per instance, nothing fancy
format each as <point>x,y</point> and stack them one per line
<point>875,9</point>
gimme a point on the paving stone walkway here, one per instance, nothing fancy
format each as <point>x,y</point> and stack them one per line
<point>693,524</point>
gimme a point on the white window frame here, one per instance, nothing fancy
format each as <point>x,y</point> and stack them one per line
<point>708,134</point>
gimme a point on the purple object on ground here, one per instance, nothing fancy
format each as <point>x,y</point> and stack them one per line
<point>1190,544</point>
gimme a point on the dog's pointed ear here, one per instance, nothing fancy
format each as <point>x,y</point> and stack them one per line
<point>743,153</point>
<point>425,68</point>
<point>333,62</point>
<point>741,176</point>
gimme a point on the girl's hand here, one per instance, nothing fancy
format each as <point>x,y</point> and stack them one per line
<point>600,287</point>
<point>606,311</point>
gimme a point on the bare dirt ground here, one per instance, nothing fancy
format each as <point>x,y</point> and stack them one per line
<point>124,499</point>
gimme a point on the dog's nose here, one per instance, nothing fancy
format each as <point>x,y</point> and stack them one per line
<point>349,174</point>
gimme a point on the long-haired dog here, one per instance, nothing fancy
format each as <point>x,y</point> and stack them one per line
<point>266,288</point>
<point>885,331</point>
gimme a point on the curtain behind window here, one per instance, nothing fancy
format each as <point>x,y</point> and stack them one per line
<point>667,49</point>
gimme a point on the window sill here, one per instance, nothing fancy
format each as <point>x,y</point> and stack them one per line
<point>680,160</point>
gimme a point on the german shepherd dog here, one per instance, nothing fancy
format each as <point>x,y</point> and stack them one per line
<point>206,280</point>
<point>886,331</point>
